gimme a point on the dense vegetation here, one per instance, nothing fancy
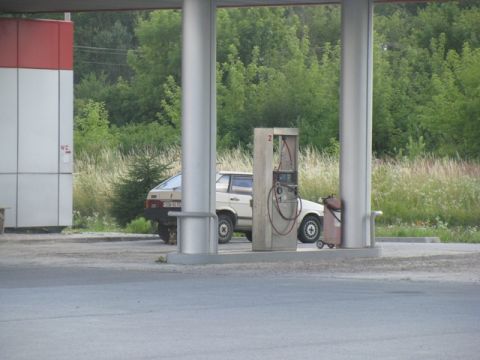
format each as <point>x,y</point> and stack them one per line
<point>280,66</point>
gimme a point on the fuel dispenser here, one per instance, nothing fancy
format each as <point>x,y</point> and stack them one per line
<point>276,204</point>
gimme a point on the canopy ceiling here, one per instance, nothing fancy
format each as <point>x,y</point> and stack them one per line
<point>28,6</point>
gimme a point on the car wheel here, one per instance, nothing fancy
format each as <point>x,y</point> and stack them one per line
<point>310,229</point>
<point>248,235</point>
<point>225,228</point>
<point>173,235</point>
<point>164,233</point>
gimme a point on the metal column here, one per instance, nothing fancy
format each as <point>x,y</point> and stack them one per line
<point>198,235</point>
<point>356,121</point>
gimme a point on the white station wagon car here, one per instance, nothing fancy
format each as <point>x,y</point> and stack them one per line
<point>233,207</point>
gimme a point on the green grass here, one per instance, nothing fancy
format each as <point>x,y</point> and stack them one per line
<point>421,197</point>
<point>463,234</point>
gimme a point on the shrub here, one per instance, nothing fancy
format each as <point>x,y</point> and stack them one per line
<point>129,192</point>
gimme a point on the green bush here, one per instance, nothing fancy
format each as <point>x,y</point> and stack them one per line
<point>139,226</point>
<point>129,192</point>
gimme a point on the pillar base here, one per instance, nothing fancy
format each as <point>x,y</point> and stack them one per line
<point>272,257</point>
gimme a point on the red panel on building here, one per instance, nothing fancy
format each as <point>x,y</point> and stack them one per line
<point>8,43</point>
<point>38,44</point>
<point>66,45</point>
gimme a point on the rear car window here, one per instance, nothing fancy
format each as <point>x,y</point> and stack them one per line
<point>174,183</point>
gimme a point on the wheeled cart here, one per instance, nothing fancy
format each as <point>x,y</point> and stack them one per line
<point>332,223</point>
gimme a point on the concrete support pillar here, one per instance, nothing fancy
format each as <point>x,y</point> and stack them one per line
<point>356,121</point>
<point>198,234</point>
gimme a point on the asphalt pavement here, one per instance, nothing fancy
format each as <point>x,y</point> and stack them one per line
<point>117,300</point>
<point>84,313</point>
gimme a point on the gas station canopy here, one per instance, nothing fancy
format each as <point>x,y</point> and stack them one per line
<point>100,5</point>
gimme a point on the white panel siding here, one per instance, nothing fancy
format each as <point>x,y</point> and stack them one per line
<point>38,121</point>
<point>8,198</point>
<point>66,122</point>
<point>37,200</point>
<point>65,200</point>
<point>8,120</point>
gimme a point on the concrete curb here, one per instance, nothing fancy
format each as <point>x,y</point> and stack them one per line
<point>113,237</point>
<point>422,240</point>
<point>74,238</point>
<point>271,257</point>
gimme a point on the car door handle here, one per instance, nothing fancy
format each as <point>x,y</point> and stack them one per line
<point>234,199</point>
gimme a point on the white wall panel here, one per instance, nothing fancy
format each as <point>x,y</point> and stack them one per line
<point>37,200</point>
<point>38,121</point>
<point>8,120</point>
<point>66,122</point>
<point>8,198</point>
<point>65,200</point>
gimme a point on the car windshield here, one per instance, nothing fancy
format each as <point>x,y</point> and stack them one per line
<point>175,183</point>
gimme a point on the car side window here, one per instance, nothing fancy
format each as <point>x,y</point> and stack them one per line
<point>242,184</point>
<point>222,183</point>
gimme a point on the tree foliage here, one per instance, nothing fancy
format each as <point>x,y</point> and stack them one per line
<point>92,129</point>
<point>281,66</point>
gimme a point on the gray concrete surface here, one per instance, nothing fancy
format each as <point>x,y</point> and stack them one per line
<point>87,237</point>
<point>248,256</point>
<point>439,262</point>
<point>116,236</point>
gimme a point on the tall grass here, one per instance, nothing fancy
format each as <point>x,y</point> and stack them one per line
<point>424,193</point>
<point>93,180</point>
<point>318,174</point>
<point>94,177</point>
<point>427,191</point>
